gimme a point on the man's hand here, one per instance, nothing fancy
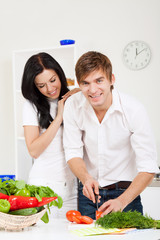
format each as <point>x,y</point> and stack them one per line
<point>112,205</point>
<point>90,188</point>
<point>90,185</point>
<point>139,183</point>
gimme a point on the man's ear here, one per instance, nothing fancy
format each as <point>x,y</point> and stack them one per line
<point>113,79</point>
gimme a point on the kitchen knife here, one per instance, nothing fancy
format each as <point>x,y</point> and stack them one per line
<point>96,197</point>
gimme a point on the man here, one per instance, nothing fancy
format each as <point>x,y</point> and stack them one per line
<point>108,141</point>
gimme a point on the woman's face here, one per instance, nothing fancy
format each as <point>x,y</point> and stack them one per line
<point>48,83</point>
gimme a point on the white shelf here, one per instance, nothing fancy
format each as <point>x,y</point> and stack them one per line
<point>65,56</point>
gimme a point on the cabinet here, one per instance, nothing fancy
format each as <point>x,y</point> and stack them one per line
<point>65,55</point>
<point>150,199</point>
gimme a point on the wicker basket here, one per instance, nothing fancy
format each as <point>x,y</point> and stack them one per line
<point>17,222</point>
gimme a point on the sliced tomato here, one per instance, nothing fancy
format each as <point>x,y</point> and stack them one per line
<point>71,213</point>
<point>77,219</point>
<point>98,214</point>
<point>86,219</point>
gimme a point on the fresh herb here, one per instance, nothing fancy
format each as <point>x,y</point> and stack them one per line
<point>127,220</point>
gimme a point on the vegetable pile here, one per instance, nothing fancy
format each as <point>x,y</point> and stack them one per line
<point>19,198</point>
<point>127,220</point>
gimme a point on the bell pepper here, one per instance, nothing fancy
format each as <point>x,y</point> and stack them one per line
<point>23,192</point>
<point>3,196</point>
<point>20,202</point>
<point>4,205</point>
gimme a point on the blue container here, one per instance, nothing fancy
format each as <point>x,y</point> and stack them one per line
<point>7,177</point>
<point>67,41</point>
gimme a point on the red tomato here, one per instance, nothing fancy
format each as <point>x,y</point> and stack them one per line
<point>71,213</point>
<point>86,219</point>
<point>77,219</point>
<point>98,214</point>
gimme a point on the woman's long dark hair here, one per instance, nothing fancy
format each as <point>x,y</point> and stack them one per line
<point>34,66</point>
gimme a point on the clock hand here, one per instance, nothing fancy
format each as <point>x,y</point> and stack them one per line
<point>141,51</point>
<point>136,53</point>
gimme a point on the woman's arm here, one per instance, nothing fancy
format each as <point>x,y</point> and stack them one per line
<point>36,143</point>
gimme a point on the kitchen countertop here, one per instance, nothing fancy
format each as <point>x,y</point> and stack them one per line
<point>60,229</point>
<point>155,183</point>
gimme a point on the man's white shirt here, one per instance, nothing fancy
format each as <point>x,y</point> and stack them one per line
<point>117,148</point>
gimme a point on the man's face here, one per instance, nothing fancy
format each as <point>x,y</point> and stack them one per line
<point>96,87</point>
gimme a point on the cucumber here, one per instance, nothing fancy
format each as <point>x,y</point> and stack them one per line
<point>24,212</point>
<point>39,209</point>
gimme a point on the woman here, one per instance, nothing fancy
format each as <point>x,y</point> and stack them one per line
<point>44,87</point>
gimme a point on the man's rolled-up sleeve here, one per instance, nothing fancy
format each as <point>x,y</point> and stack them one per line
<point>143,142</point>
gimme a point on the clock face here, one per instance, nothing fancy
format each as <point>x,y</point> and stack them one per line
<point>136,55</point>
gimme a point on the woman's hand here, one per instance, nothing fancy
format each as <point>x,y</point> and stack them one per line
<point>62,101</point>
<point>71,92</point>
<point>60,110</point>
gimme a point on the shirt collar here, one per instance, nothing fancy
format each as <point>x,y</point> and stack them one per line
<point>83,101</point>
<point>116,104</point>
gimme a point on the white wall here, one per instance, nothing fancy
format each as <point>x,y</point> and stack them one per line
<point>102,25</point>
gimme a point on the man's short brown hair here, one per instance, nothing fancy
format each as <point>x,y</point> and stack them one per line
<point>90,62</point>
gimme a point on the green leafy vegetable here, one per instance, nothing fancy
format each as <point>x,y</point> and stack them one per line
<point>20,184</point>
<point>45,218</point>
<point>11,186</point>
<point>57,203</point>
<point>127,220</point>
<point>3,191</point>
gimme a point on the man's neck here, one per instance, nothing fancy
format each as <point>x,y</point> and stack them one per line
<point>100,114</point>
<point>101,110</point>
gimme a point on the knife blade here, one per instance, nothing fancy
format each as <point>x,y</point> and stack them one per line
<point>96,198</point>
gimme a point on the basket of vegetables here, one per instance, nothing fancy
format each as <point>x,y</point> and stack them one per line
<point>22,205</point>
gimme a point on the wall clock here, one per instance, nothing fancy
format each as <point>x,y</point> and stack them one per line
<point>136,55</point>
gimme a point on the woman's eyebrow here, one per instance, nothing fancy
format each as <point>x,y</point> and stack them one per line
<point>48,80</point>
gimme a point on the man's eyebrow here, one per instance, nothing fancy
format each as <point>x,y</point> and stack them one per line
<point>99,78</point>
<point>83,81</point>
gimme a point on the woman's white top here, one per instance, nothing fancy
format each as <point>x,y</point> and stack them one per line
<point>50,165</point>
